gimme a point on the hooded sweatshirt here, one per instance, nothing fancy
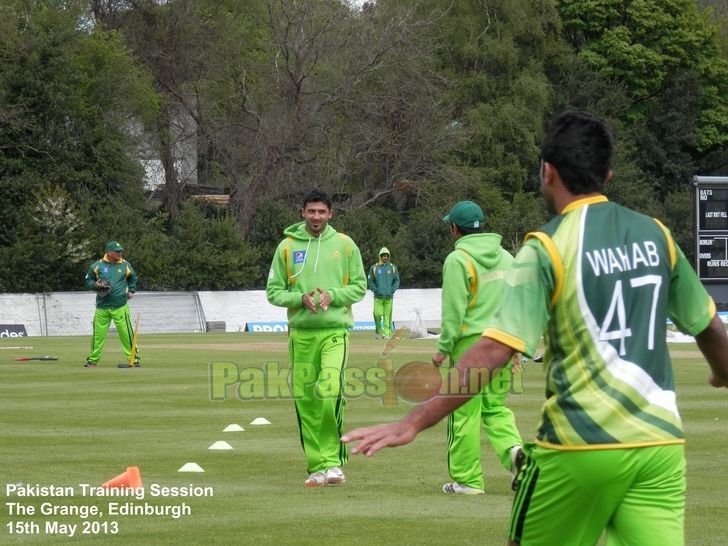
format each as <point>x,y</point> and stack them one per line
<point>383,279</point>
<point>303,263</point>
<point>472,281</point>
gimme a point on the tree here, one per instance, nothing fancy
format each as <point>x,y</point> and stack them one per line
<point>272,217</point>
<point>50,248</point>
<point>167,38</point>
<point>495,55</point>
<point>214,256</point>
<point>650,46</point>
<point>392,111</point>
<point>72,93</point>
<point>421,247</point>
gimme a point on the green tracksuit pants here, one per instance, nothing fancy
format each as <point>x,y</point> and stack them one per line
<point>318,360</point>
<point>102,319</point>
<point>570,497</point>
<point>463,426</point>
<point>383,316</point>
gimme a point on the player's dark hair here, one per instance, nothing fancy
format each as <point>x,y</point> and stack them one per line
<point>469,230</point>
<point>316,196</point>
<point>580,146</point>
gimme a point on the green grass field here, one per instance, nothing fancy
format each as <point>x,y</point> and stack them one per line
<point>65,425</point>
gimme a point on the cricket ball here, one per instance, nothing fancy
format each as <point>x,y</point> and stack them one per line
<point>417,381</point>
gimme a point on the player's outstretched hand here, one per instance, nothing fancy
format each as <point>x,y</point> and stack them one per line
<point>438,358</point>
<point>372,439</point>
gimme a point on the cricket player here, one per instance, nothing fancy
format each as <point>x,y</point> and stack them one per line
<point>598,281</point>
<point>114,280</point>
<point>383,281</point>
<point>318,275</point>
<point>472,281</point>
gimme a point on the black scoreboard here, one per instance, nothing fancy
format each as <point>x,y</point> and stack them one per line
<point>713,257</point>
<point>711,222</point>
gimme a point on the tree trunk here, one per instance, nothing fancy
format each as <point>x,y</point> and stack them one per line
<point>244,200</point>
<point>172,196</point>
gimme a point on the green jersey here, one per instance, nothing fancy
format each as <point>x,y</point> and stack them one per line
<point>122,276</point>
<point>383,279</point>
<point>472,280</point>
<point>598,282</point>
<point>303,263</point>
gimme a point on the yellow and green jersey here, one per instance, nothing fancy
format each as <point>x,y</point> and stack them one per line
<point>598,283</point>
<point>120,274</point>
<point>303,263</point>
<point>383,279</point>
<point>472,280</point>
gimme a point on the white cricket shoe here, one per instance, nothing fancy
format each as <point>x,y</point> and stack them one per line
<point>316,479</point>
<point>455,487</point>
<point>518,457</point>
<point>335,476</point>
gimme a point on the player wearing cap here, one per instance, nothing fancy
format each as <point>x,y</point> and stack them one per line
<point>472,282</point>
<point>114,280</point>
<point>598,281</point>
<point>383,281</point>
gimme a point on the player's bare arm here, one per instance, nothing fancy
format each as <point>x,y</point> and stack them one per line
<point>487,354</point>
<point>713,343</point>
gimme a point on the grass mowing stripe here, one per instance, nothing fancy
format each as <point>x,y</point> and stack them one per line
<point>62,424</point>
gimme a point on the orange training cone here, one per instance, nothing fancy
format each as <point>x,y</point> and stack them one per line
<point>131,479</point>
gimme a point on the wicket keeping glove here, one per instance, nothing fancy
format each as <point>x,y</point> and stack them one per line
<point>103,287</point>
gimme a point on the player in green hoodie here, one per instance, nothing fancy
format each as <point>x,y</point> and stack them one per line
<point>472,279</point>
<point>318,274</point>
<point>383,280</point>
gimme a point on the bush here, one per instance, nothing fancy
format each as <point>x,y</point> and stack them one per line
<point>209,254</point>
<point>271,218</point>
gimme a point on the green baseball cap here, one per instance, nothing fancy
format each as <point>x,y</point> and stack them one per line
<point>115,246</point>
<point>465,214</point>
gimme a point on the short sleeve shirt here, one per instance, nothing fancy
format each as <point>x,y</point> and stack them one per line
<point>598,283</point>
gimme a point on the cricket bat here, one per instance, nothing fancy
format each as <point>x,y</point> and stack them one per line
<point>395,340</point>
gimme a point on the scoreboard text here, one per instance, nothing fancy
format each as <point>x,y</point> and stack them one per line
<point>711,210</point>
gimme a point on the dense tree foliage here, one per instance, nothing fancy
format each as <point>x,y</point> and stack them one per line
<point>70,96</point>
<point>398,108</point>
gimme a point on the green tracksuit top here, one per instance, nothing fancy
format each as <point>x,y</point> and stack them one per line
<point>303,263</point>
<point>122,276</point>
<point>383,279</point>
<point>472,281</point>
